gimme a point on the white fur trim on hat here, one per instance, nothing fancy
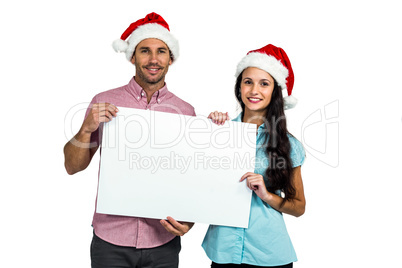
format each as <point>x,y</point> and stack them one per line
<point>267,63</point>
<point>149,30</point>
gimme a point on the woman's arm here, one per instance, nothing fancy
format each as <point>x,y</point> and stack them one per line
<point>294,207</point>
<point>297,205</point>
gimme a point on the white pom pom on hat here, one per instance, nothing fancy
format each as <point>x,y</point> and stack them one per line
<point>274,61</point>
<point>289,102</point>
<point>120,45</point>
<point>152,26</point>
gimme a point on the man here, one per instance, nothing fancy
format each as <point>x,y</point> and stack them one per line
<point>130,241</point>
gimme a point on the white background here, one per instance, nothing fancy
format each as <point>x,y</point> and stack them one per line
<point>55,56</point>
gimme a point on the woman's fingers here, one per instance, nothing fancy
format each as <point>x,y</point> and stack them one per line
<point>218,118</point>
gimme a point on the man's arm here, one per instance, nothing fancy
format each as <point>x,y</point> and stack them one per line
<point>79,151</point>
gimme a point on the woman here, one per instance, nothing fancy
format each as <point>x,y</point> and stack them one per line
<point>276,181</point>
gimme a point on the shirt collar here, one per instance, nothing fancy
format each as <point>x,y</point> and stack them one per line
<point>238,119</point>
<point>139,93</point>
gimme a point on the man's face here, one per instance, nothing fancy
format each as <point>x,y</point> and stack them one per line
<point>151,59</point>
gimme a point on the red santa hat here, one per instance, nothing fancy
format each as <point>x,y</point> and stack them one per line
<point>274,61</point>
<point>152,26</point>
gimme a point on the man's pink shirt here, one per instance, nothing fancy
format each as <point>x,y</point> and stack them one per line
<point>134,231</point>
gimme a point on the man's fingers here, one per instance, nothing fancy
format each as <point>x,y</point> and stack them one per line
<point>113,110</point>
<point>176,224</point>
<point>101,107</point>
<point>169,227</point>
<point>105,111</point>
<point>175,227</point>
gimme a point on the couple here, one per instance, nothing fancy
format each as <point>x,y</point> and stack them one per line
<point>261,76</point>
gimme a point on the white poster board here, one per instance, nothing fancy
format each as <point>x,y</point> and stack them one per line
<point>156,164</point>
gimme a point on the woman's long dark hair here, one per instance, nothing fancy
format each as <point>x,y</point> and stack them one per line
<point>279,173</point>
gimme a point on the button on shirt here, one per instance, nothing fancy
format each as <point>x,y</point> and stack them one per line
<point>134,231</point>
<point>266,241</point>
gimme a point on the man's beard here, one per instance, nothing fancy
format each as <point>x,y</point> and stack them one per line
<point>153,80</point>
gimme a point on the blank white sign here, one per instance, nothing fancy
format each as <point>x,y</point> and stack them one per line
<point>156,164</point>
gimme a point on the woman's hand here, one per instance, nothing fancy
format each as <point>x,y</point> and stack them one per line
<point>256,183</point>
<point>294,207</point>
<point>218,117</point>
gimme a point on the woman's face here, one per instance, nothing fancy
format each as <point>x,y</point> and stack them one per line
<point>256,89</point>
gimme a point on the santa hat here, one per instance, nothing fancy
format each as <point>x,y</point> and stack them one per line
<point>274,61</point>
<point>152,26</point>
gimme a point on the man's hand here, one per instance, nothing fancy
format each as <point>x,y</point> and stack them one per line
<point>100,113</point>
<point>78,151</point>
<point>176,227</point>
